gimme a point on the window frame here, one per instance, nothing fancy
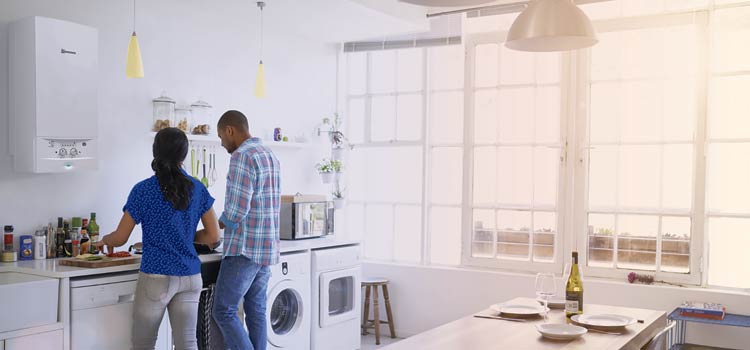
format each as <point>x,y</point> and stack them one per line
<point>697,213</point>
<point>471,41</point>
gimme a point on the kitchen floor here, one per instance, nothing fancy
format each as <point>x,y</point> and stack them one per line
<point>368,341</point>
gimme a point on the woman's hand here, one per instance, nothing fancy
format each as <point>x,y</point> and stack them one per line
<point>102,242</point>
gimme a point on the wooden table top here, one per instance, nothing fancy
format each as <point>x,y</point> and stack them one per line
<point>487,334</point>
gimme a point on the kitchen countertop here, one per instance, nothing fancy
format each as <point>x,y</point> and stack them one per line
<point>52,268</point>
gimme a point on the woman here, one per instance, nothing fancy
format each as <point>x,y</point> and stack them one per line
<point>168,206</point>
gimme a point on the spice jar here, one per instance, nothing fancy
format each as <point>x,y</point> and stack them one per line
<point>163,112</point>
<point>201,124</point>
<point>182,115</point>
<point>8,237</point>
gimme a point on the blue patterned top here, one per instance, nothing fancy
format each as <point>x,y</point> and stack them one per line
<point>167,233</point>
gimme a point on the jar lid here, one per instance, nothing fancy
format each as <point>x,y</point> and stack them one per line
<point>164,98</point>
<point>201,103</point>
<point>76,222</point>
<point>8,228</point>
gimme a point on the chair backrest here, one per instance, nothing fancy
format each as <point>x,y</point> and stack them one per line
<point>659,341</point>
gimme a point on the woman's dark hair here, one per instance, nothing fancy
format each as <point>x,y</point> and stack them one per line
<point>170,149</point>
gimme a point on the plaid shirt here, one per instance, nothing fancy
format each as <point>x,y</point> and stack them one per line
<point>251,208</point>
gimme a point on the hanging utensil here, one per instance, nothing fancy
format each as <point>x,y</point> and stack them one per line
<point>192,162</point>
<point>213,176</point>
<point>197,169</point>
<point>204,180</point>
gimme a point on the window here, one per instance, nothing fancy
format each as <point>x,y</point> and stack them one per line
<point>387,106</point>
<point>478,170</point>
<point>640,148</point>
<point>728,150</point>
<point>515,148</point>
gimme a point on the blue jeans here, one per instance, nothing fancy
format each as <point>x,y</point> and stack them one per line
<point>241,279</point>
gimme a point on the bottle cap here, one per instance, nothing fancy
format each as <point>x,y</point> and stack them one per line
<point>8,228</point>
<point>93,216</point>
<point>76,222</point>
<point>59,222</point>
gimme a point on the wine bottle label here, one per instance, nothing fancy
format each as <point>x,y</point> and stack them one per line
<point>573,302</point>
<point>571,306</point>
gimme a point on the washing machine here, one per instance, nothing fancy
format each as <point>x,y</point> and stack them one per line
<point>336,275</point>
<point>288,310</point>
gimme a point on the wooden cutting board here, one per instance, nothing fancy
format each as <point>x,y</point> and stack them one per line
<point>106,262</point>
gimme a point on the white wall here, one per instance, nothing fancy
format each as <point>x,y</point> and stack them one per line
<point>426,297</point>
<point>192,49</point>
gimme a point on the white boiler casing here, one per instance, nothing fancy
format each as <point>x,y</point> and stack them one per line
<point>53,95</point>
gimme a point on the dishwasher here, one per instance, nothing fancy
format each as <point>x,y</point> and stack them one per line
<point>102,313</point>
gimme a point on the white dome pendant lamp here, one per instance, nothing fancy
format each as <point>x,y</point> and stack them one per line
<point>551,25</point>
<point>134,63</point>
<point>260,75</point>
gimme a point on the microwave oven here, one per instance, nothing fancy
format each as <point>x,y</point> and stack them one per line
<point>305,216</point>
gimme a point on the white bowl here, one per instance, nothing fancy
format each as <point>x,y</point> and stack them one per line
<point>560,331</point>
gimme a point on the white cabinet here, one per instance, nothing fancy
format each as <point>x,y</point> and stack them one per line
<point>53,95</point>
<point>28,301</point>
<point>48,341</point>
<point>102,313</point>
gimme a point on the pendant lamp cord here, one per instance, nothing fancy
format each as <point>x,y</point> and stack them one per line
<point>261,4</point>
<point>134,17</point>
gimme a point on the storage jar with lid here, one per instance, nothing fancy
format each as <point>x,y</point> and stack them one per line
<point>181,117</point>
<point>202,123</point>
<point>163,112</point>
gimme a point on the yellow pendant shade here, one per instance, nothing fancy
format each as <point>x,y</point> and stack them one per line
<point>134,64</point>
<point>260,82</point>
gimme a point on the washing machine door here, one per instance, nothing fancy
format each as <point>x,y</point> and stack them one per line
<point>285,311</point>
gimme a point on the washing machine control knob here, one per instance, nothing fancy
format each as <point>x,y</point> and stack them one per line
<point>284,268</point>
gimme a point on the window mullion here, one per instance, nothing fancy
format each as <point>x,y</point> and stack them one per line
<point>426,164</point>
<point>698,236</point>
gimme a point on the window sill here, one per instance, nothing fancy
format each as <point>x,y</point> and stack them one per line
<point>600,280</point>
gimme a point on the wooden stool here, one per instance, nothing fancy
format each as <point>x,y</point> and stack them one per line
<point>371,284</point>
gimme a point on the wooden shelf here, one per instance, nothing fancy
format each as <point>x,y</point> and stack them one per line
<point>197,138</point>
<point>269,144</point>
<point>284,145</point>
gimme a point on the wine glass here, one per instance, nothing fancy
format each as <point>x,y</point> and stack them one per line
<point>545,288</point>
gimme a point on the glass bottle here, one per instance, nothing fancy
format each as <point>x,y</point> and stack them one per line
<point>93,230</point>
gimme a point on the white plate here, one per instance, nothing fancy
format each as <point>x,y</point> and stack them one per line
<point>603,320</point>
<point>560,331</point>
<point>553,303</point>
<point>519,309</point>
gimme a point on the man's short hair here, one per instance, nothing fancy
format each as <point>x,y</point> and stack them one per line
<point>235,119</point>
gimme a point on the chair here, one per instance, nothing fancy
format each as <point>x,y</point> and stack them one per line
<point>659,341</point>
<point>371,284</point>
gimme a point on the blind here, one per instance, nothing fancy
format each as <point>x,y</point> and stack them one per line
<point>358,46</point>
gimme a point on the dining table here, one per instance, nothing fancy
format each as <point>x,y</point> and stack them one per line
<point>475,333</point>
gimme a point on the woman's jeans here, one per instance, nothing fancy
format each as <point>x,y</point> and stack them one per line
<point>240,279</point>
<point>157,293</point>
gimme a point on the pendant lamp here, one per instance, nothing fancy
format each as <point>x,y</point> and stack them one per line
<point>260,75</point>
<point>134,64</point>
<point>551,25</point>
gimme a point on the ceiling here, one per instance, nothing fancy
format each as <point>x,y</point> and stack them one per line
<point>338,21</point>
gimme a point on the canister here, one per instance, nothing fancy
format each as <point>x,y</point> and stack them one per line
<point>26,247</point>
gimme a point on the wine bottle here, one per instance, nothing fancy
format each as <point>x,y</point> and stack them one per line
<point>93,230</point>
<point>574,290</point>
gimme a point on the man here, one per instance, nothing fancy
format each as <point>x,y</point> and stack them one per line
<point>251,234</point>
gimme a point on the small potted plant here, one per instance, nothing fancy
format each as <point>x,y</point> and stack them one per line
<point>336,166</point>
<point>337,138</point>
<point>339,202</point>
<point>325,170</point>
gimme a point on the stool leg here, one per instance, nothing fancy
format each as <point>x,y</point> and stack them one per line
<point>366,314</point>
<point>376,311</point>
<point>388,312</point>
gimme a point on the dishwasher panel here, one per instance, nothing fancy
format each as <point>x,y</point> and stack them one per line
<point>102,313</point>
